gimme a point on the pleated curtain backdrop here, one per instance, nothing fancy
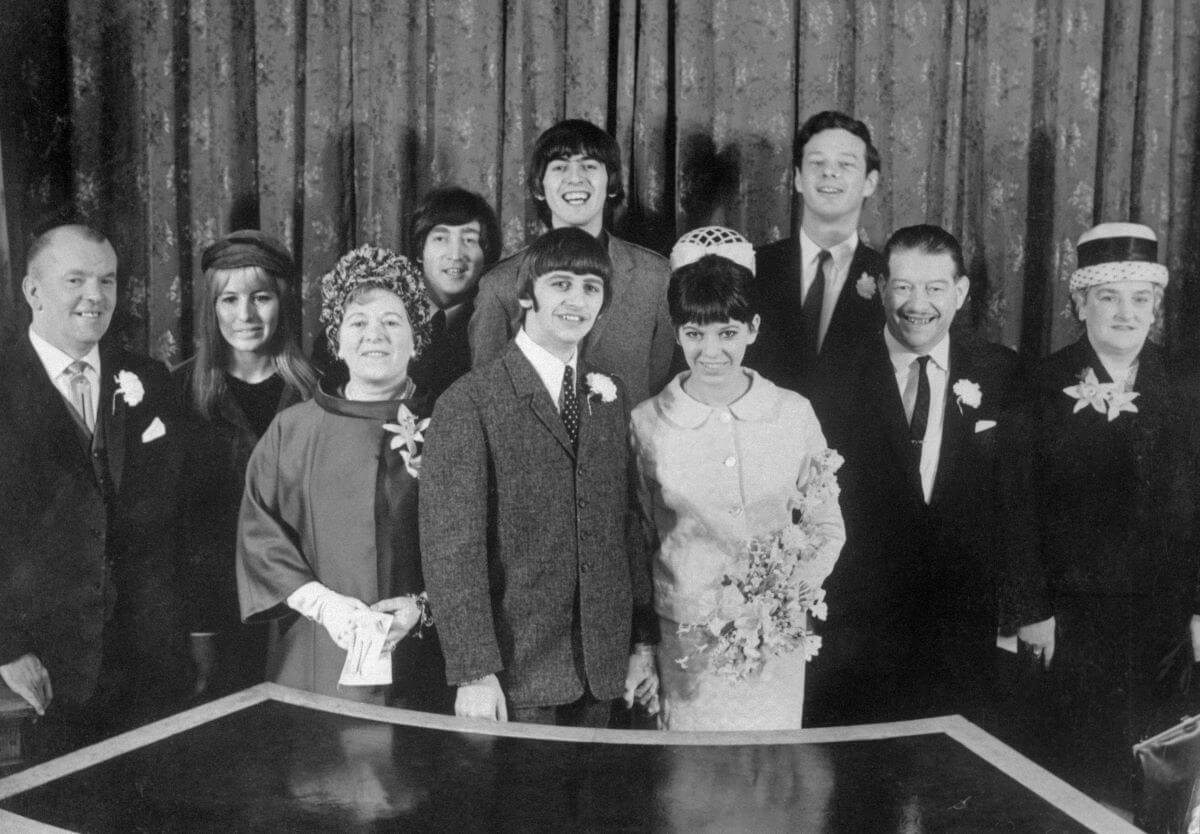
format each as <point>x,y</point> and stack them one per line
<point>1016,125</point>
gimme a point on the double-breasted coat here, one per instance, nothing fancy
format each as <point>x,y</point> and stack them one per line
<point>532,549</point>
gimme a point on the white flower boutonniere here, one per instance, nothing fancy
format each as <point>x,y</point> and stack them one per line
<point>865,285</point>
<point>967,393</point>
<point>130,388</point>
<point>409,436</point>
<point>600,387</point>
<point>1102,396</point>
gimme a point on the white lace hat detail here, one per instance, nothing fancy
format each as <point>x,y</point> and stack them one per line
<point>712,240</point>
<point>1111,252</point>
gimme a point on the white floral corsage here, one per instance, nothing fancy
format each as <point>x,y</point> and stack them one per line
<point>967,393</point>
<point>130,388</point>
<point>865,286</point>
<point>409,436</point>
<point>600,387</point>
<point>1102,396</point>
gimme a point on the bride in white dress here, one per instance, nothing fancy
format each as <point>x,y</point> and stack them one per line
<point>721,453</point>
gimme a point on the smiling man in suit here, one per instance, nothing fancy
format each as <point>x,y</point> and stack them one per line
<point>912,610</point>
<point>575,181</point>
<point>89,631</point>
<point>530,544</point>
<point>816,289</point>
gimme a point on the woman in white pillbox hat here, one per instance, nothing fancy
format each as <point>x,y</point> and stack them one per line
<point>1100,484</point>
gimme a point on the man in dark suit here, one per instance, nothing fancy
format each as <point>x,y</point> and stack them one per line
<point>455,236</point>
<point>912,612</point>
<point>816,289</point>
<point>575,180</point>
<point>89,628</point>
<point>530,546</point>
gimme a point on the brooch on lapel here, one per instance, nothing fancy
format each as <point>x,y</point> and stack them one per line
<point>1102,396</point>
<point>967,393</point>
<point>409,436</point>
<point>129,387</point>
<point>600,387</point>
<point>865,286</point>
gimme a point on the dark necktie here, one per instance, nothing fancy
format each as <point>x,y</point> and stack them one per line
<point>920,414</point>
<point>813,302</point>
<point>569,405</point>
<point>437,326</point>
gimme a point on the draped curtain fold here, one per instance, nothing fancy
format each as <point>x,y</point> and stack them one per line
<point>1017,125</point>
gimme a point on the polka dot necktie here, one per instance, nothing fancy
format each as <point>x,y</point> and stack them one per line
<point>569,404</point>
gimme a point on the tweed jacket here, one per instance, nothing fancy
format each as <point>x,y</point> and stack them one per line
<point>521,535</point>
<point>916,579</point>
<point>69,561</point>
<point>633,338</point>
<point>781,353</point>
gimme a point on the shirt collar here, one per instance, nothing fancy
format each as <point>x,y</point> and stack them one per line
<point>842,253</point>
<point>56,361</point>
<point>548,366</point>
<point>760,402</point>
<point>902,358</point>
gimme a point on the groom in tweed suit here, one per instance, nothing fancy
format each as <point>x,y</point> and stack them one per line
<point>531,550</point>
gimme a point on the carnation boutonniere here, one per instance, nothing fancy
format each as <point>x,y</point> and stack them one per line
<point>1102,396</point>
<point>600,387</point>
<point>967,393</point>
<point>409,436</point>
<point>130,388</point>
<point>865,285</point>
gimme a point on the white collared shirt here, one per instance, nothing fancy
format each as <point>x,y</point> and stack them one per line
<point>55,362</point>
<point>841,255</point>
<point>548,366</point>
<point>907,373</point>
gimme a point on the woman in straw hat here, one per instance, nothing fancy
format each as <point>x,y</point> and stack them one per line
<point>1100,577</point>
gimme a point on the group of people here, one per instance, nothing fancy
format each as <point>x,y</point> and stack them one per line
<point>525,489</point>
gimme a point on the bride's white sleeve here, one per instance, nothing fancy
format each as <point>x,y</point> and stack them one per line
<point>825,515</point>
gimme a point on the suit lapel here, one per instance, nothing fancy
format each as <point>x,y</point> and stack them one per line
<point>47,411</point>
<point>112,410</point>
<point>849,301</point>
<point>622,277</point>
<point>884,393</point>
<point>528,385</point>
<point>954,423</point>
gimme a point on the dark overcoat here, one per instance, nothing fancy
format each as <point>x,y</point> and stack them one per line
<point>77,570</point>
<point>782,353</point>
<point>634,337</point>
<point>527,541</point>
<point>912,616</point>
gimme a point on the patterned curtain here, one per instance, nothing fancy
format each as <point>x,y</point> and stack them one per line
<point>1016,125</point>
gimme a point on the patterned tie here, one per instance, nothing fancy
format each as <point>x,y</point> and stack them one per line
<point>810,310</point>
<point>81,392</point>
<point>569,405</point>
<point>920,414</point>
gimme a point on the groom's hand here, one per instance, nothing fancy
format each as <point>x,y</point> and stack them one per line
<point>641,679</point>
<point>481,698</point>
<point>1040,637</point>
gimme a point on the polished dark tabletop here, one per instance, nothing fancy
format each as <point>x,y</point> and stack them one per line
<point>277,766</point>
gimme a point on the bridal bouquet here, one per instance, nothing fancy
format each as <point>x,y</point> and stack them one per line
<point>764,611</point>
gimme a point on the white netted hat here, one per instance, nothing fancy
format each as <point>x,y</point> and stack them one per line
<point>1113,252</point>
<point>712,240</point>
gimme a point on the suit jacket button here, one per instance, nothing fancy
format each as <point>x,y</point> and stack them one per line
<point>581,503</point>
<point>584,568</point>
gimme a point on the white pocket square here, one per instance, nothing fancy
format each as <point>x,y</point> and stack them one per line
<point>154,431</point>
<point>984,425</point>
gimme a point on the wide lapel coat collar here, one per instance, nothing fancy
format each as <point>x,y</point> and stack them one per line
<point>45,409</point>
<point>881,389</point>
<point>955,423</point>
<point>114,413</point>
<point>527,385</point>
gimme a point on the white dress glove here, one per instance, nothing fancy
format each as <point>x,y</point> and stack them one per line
<point>332,610</point>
